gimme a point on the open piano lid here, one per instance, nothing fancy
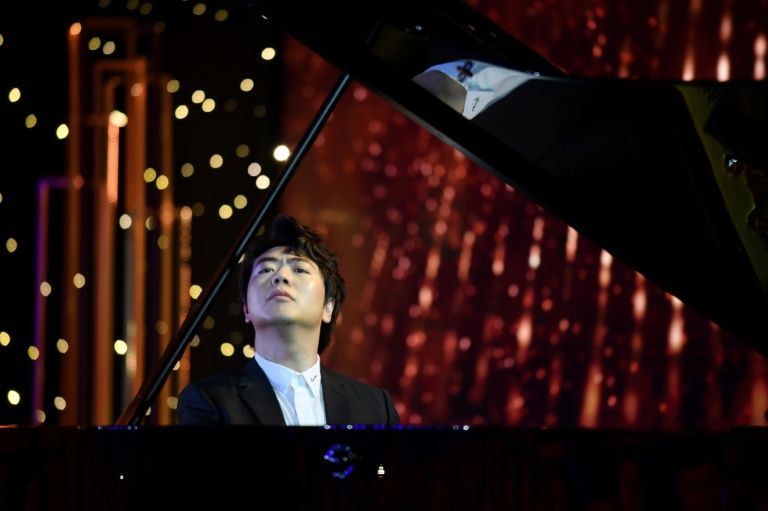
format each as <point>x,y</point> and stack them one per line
<point>668,177</point>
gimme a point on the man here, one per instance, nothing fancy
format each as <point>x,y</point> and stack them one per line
<point>291,291</point>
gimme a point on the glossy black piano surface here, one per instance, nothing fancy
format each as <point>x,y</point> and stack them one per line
<point>449,468</point>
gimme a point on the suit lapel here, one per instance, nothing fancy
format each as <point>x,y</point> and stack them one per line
<point>337,410</point>
<point>256,391</point>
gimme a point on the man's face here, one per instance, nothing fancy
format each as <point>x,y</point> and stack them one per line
<point>285,289</point>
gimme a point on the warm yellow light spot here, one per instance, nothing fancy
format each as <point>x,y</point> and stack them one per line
<point>172,86</point>
<point>5,338</point>
<point>150,174</point>
<point>162,242</point>
<point>208,105</point>
<point>45,288</point>
<point>198,9</point>
<point>150,223</point>
<point>3,40</point>
<point>78,280</point>
<point>221,15</point>
<point>268,53</point>
<point>75,28</point>
<point>209,322</point>
<point>11,245</point>
<point>216,161</point>
<point>225,211</point>
<point>254,169</point>
<point>145,8</point>
<point>195,342</point>
<point>14,95</point>
<point>241,201</point>
<point>187,170</point>
<point>242,151</point>
<point>94,43</point>
<point>262,182</point>
<point>59,403</point>
<point>137,90</point>
<point>246,85</point>
<point>39,416</point>
<point>198,96</point>
<point>162,182</point>
<point>149,410</point>
<point>198,209</point>
<point>108,48</point>
<point>30,121</point>
<point>14,397</point>
<point>125,221</point>
<point>118,118</point>
<point>62,346</point>
<point>281,152</point>
<point>62,131</point>
<point>185,213</point>
<point>227,349</point>
<point>181,111</point>
<point>248,351</point>
<point>177,365</point>
<point>194,291</point>
<point>1,198</point>
<point>172,402</point>
<point>121,347</point>
<point>33,353</point>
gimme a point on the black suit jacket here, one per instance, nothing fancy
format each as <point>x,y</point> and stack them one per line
<point>245,397</point>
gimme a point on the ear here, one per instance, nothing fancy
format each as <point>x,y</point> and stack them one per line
<point>328,311</point>
<point>245,313</point>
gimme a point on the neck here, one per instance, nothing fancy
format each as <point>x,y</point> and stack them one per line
<point>289,349</point>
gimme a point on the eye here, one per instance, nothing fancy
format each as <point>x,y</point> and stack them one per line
<point>264,269</point>
<point>299,269</point>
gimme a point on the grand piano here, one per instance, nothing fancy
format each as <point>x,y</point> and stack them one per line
<point>632,165</point>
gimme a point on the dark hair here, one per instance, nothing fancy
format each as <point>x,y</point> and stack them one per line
<point>286,231</point>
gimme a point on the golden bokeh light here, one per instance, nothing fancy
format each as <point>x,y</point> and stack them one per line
<point>194,291</point>
<point>30,121</point>
<point>209,322</point>
<point>248,351</point>
<point>246,85</point>
<point>225,211</point>
<point>62,346</point>
<point>39,416</point>
<point>118,118</point>
<point>14,397</point>
<point>172,402</point>
<point>145,8</point>
<point>221,15</point>
<point>162,242</point>
<point>187,170</point>
<point>14,95</point>
<point>11,245</point>
<point>59,402</point>
<point>162,182</point>
<point>198,9</point>
<point>125,221</point>
<point>254,169</point>
<point>75,28</point>
<point>208,105</point>
<point>240,201</point>
<point>150,175</point>
<point>108,48</point>
<point>94,43</point>
<point>227,349</point>
<point>78,280</point>
<point>181,111</point>
<point>33,353</point>
<point>150,223</point>
<point>195,342</point>
<point>121,347</point>
<point>5,338</point>
<point>281,152</point>
<point>242,150</point>
<point>198,96</point>
<point>45,288</point>
<point>262,182</point>
<point>185,213</point>
<point>268,53</point>
<point>172,86</point>
<point>216,161</point>
<point>62,131</point>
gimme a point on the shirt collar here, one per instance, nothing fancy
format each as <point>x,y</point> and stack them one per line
<point>280,377</point>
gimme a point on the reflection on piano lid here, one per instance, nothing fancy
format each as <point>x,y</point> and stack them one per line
<point>671,178</point>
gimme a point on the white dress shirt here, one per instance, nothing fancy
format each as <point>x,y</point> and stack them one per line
<point>485,83</point>
<point>300,394</point>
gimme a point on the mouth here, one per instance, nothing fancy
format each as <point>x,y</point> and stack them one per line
<point>279,295</point>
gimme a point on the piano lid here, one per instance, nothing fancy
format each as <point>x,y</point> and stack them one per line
<point>671,178</point>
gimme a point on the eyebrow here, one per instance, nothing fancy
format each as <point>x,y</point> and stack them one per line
<point>270,259</point>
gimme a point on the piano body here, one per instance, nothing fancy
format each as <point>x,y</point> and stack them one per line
<point>632,165</point>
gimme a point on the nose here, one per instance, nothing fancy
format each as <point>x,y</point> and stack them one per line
<point>280,276</point>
